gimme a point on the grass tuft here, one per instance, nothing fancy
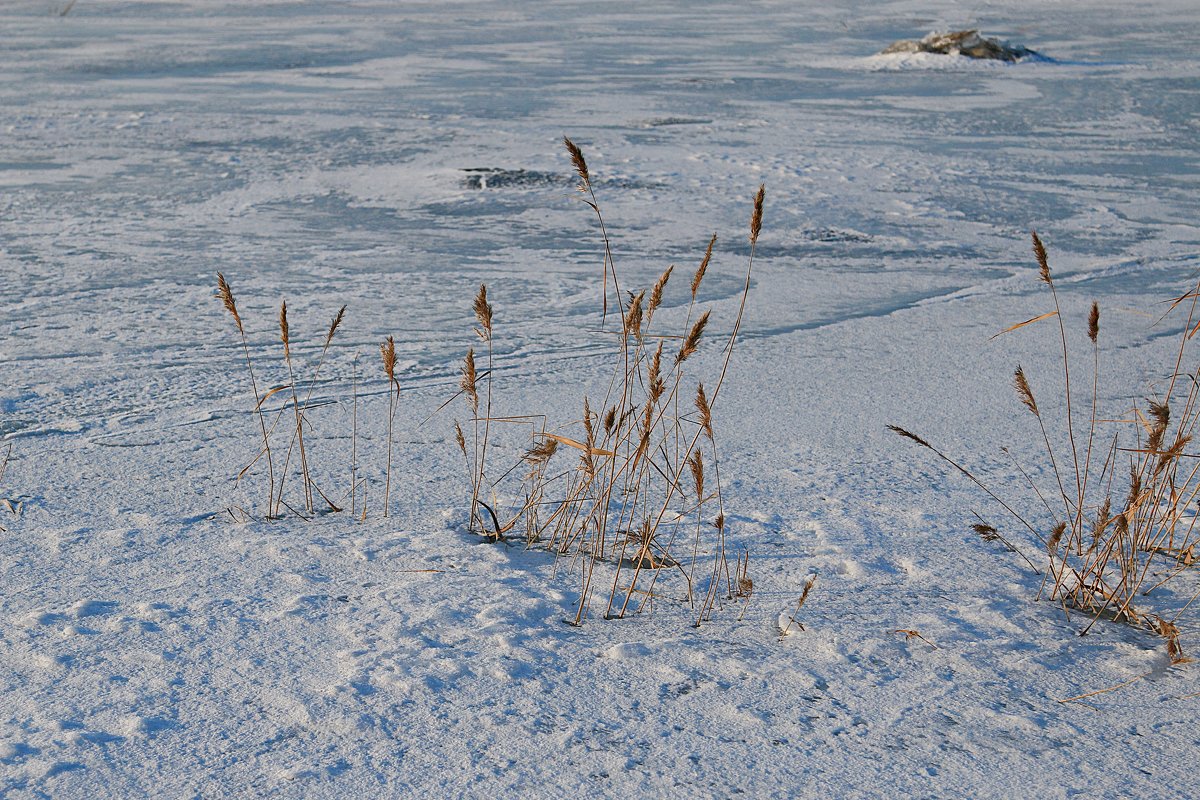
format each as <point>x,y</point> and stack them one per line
<point>646,486</point>
<point>1112,555</point>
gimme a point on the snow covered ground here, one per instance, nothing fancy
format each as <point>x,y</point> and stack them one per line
<point>390,157</point>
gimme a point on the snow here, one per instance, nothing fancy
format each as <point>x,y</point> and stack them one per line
<point>154,643</point>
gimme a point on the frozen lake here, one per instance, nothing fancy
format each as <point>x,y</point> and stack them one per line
<point>390,157</point>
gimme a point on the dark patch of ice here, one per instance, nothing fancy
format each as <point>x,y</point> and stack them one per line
<point>492,178</point>
<point>496,178</point>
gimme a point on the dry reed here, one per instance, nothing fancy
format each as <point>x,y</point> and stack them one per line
<point>1103,552</point>
<point>301,403</point>
<point>387,352</point>
<point>226,295</point>
<point>8,504</point>
<point>646,482</point>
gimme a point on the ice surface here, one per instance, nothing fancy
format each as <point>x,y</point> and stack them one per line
<point>392,156</point>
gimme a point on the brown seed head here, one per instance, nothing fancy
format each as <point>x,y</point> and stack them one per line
<point>756,217</point>
<point>1024,392</point>
<point>1171,453</point>
<point>468,380</point>
<point>909,435</point>
<point>610,420</point>
<point>654,379</point>
<point>333,326</point>
<point>585,182</point>
<point>387,351</point>
<point>458,437</point>
<point>1102,519</point>
<point>226,295</point>
<point>808,585</point>
<point>705,412</point>
<point>985,532</point>
<point>541,453</point>
<point>633,317</point>
<point>283,327</point>
<point>1094,322</point>
<point>1161,414</point>
<point>589,426</point>
<point>700,270</point>
<point>1134,498</point>
<point>483,313</point>
<point>1055,537</point>
<point>1039,251</point>
<point>656,293</point>
<point>696,462</point>
<point>693,339</point>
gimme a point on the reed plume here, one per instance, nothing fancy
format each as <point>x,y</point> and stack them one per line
<point>1024,392</point>
<point>705,412</point>
<point>703,268</point>
<point>226,295</point>
<point>483,313</point>
<point>580,164</point>
<point>692,341</point>
<point>656,294</point>
<point>285,337</point>
<point>757,216</point>
<point>387,352</point>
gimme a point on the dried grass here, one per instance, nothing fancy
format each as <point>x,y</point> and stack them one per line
<point>1109,555</point>
<point>12,508</point>
<point>298,388</point>
<point>645,485</point>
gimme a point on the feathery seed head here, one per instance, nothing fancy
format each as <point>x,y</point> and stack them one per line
<point>387,352</point>
<point>1134,498</point>
<point>333,326</point>
<point>1024,392</point>
<point>283,327</point>
<point>696,463</point>
<point>692,342</point>
<point>633,317</point>
<point>226,295</point>
<point>589,426</point>
<point>459,438</point>
<point>654,380</point>
<point>700,270</point>
<point>986,532</point>
<point>468,380</point>
<point>483,313</point>
<point>909,435</point>
<point>1161,414</point>
<point>1102,519</point>
<point>585,181</point>
<point>756,217</point>
<point>540,453</point>
<point>1094,322</point>
<point>1039,251</point>
<point>705,412</point>
<point>656,293</point>
<point>1056,537</point>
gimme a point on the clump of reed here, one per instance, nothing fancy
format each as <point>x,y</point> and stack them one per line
<point>1107,550</point>
<point>12,508</point>
<point>292,419</point>
<point>642,498</point>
